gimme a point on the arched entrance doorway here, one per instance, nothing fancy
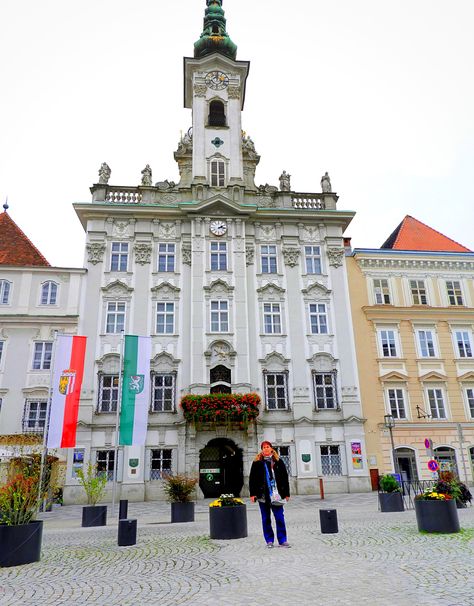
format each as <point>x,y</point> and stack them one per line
<point>221,469</point>
<point>406,460</point>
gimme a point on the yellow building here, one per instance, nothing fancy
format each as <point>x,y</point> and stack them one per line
<point>413,314</point>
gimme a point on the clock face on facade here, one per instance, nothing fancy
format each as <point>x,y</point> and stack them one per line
<point>217,80</point>
<point>218,227</point>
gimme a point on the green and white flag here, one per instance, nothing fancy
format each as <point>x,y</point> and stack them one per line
<point>135,391</point>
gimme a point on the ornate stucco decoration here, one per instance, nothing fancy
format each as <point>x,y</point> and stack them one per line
<point>219,287</point>
<point>120,229</point>
<point>271,291</point>
<point>142,253</point>
<point>311,234</point>
<point>220,352</point>
<point>336,256</point>
<point>166,290</point>
<point>266,202</point>
<point>316,289</point>
<point>267,232</point>
<point>234,92</point>
<point>167,231</point>
<point>200,90</point>
<point>186,254</point>
<point>291,255</point>
<point>117,288</point>
<point>249,254</point>
<point>95,252</point>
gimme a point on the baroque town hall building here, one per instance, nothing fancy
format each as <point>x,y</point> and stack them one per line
<point>243,288</point>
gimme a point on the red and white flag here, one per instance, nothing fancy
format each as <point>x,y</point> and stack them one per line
<point>67,380</point>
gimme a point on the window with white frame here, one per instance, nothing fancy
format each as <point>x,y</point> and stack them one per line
<point>119,256</point>
<point>34,416</point>
<point>325,393</point>
<point>105,460</point>
<point>454,292</point>
<point>5,288</point>
<point>115,317</point>
<point>418,292</point>
<point>166,257</point>
<point>464,343</point>
<point>396,402</point>
<point>381,291</point>
<point>276,390</point>
<point>436,402</point>
<point>318,318</point>
<point>268,258</point>
<point>77,461</point>
<point>217,173</point>
<point>426,343</point>
<point>271,318</point>
<point>2,344</point>
<point>313,259</point>
<point>388,343</point>
<point>108,393</point>
<point>220,316</point>
<point>165,317</point>
<point>470,400</point>
<point>219,256</point>
<point>42,355</point>
<point>331,464</point>
<point>164,389</point>
<point>284,454</point>
<point>49,293</point>
<point>161,460</point>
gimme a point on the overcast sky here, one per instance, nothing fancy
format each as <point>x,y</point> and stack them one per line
<point>379,93</point>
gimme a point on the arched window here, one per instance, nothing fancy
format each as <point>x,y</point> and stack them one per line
<point>217,114</point>
<point>220,379</point>
<point>49,293</point>
<point>446,458</point>
<point>217,173</point>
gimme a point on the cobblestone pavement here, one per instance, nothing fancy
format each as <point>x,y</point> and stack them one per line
<point>374,559</point>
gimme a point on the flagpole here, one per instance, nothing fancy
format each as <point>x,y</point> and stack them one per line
<point>117,419</point>
<point>44,453</point>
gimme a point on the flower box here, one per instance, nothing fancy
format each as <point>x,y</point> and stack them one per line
<point>228,522</point>
<point>221,409</point>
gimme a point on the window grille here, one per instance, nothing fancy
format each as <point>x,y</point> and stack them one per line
<point>331,464</point>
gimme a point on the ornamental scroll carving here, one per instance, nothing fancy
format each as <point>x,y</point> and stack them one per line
<point>142,252</point>
<point>291,256</point>
<point>249,255</point>
<point>200,90</point>
<point>336,255</point>
<point>95,252</point>
<point>186,254</point>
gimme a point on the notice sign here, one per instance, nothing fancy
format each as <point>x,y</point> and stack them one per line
<point>433,465</point>
<point>356,448</point>
<point>356,451</point>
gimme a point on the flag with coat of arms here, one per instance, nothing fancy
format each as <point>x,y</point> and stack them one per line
<point>135,391</point>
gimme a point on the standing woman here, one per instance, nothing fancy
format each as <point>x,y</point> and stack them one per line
<point>267,470</point>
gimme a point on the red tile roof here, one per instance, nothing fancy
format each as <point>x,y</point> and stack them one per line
<point>412,234</point>
<point>15,247</point>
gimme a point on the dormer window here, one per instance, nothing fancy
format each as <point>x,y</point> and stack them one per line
<point>217,173</point>
<point>217,113</point>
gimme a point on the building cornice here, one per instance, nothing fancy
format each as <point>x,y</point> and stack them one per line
<point>411,263</point>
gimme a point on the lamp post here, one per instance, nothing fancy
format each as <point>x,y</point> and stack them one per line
<point>389,423</point>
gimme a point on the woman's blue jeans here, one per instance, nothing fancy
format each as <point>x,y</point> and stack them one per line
<point>279,515</point>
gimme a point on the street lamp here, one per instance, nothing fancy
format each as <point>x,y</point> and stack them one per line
<point>389,423</point>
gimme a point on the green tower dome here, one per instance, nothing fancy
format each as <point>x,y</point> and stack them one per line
<point>214,38</point>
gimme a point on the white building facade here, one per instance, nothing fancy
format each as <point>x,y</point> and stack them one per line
<point>242,289</point>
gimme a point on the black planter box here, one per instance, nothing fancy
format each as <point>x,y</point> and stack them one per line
<point>228,522</point>
<point>94,515</point>
<point>182,512</point>
<point>20,544</point>
<point>391,502</point>
<point>437,516</point>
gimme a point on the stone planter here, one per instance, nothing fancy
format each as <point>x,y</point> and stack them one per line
<point>94,515</point>
<point>391,502</point>
<point>437,516</point>
<point>20,544</point>
<point>182,512</point>
<point>228,522</point>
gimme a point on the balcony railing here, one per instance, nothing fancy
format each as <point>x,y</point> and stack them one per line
<point>308,201</point>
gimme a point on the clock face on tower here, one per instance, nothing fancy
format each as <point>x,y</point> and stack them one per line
<point>217,80</point>
<point>218,227</point>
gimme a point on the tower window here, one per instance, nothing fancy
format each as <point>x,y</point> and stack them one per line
<point>217,173</point>
<point>217,114</point>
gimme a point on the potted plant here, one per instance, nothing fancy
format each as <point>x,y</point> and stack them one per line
<point>448,483</point>
<point>179,489</point>
<point>94,486</point>
<point>436,512</point>
<point>20,534</point>
<point>238,409</point>
<point>390,497</point>
<point>228,518</point>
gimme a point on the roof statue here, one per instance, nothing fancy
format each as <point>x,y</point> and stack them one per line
<point>104,173</point>
<point>326,184</point>
<point>147,176</point>
<point>285,183</point>
<point>214,38</point>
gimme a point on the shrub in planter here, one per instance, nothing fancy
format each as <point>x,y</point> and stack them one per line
<point>436,512</point>
<point>228,518</point>
<point>179,490</point>
<point>449,484</point>
<point>390,499</point>
<point>94,486</point>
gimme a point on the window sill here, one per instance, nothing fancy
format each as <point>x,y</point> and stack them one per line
<point>273,334</point>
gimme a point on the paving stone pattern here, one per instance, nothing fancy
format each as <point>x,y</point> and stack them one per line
<point>375,558</point>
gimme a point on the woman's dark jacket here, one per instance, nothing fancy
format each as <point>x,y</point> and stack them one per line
<point>258,482</point>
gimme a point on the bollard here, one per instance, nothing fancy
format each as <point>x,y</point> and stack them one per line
<point>127,533</point>
<point>321,489</point>
<point>123,509</point>
<point>328,520</point>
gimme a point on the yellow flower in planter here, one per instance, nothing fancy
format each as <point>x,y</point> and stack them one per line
<point>226,500</point>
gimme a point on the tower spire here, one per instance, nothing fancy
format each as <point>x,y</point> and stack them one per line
<point>214,38</point>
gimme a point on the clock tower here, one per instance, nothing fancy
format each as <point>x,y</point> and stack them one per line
<point>214,88</point>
